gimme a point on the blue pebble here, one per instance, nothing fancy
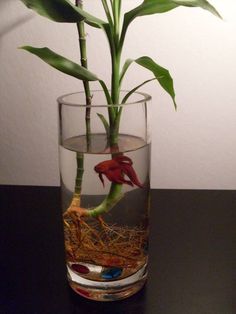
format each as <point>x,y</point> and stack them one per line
<point>111,273</point>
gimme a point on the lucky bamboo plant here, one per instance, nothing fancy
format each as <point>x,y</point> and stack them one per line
<point>115,28</point>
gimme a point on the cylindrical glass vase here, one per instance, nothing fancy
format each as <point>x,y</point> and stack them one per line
<point>104,165</point>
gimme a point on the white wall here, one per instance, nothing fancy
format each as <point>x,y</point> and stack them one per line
<point>193,148</point>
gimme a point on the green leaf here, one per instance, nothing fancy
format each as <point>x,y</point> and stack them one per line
<point>105,123</point>
<point>111,109</point>
<point>62,11</point>
<point>125,68</point>
<point>134,90</point>
<point>148,7</point>
<point>162,75</point>
<point>198,3</point>
<point>62,64</point>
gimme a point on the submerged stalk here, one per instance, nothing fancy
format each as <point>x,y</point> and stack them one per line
<point>78,180</point>
<point>109,202</point>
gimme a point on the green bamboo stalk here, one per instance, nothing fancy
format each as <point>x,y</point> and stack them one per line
<point>84,63</point>
<point>79,178</point>
<point>79,156</point>
<point>114,196</point>
<point>115,91</point>
<point>115,192</point>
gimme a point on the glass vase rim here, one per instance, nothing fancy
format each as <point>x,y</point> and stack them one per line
<point>61,100</point>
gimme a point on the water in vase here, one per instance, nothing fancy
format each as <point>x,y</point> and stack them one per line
<point>109,250</point>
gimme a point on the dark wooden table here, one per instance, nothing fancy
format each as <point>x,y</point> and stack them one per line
<point>191,255</point>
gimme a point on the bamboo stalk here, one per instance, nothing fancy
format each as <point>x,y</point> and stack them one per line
<point>115,193</point>
<point>79,156</point>
<point>84,63</point>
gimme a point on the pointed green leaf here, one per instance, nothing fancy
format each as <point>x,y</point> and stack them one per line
<point>125,68</point>
<point>198,3</point>
<point>62,11</point>
<point>162,75</point>
<point>148,7</point>
<point>105,123</point>
<point>62,64</point>
<point>134,90</point>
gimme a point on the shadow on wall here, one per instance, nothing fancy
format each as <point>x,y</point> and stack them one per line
<point>11,25</point>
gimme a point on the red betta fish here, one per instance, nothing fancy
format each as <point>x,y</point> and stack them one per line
<point>115,169</point>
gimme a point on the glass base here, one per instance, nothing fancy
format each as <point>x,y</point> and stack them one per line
<point>109,290</point>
